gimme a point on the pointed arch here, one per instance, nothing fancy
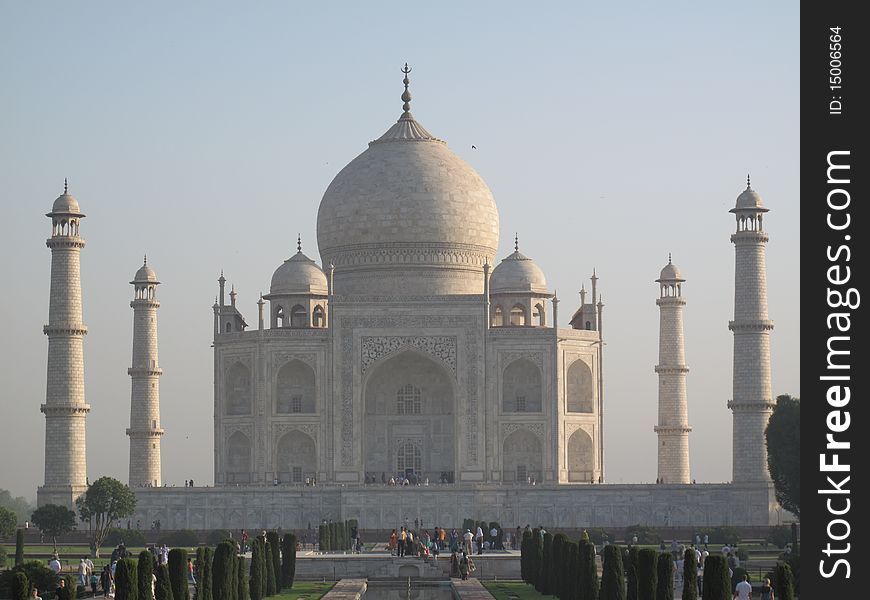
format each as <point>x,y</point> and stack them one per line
<point>238,390</point>
<point>521,387</point>
<point>239,458</point>
<point>518,315</point>
<point>580,392</point>
<point>581,457</point>
<point>319,316</point>
<point>295,457</point>
<point>295,389</point>
<point>498,317</point>
<point>298,316</point>
<point>522,457</point>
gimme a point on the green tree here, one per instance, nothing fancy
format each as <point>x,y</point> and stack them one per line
<point>106,501</point>
<point>322,538</point>
<point>288,560</point>
<point>197,567</point>
<point>19,547</point>
<point>665,577</point>
<point>612,577</point>
<point>555,570</point>
<point>234,587</point>
<point>20,586</point>
<point>588,574</point>
<point>145,571</point>
<point>223,586</point>
<point>690,575</point>
<point>258,572</point>
<point>536,557</point>
<point>631,574</point>
<point>126,580</point>
<point>17,504</point>
<point>205,573</point>
<point>275,544</point>
<point>54,520</point>
<point>525,553</point>
<point>783,435</point>
<point>178,573</point>
<point>163,588</point>
<point>270,571</point>
<point>717,584</point>
<point>543,584</point>
<point>242,590</point>
<point>8,522</point>
<point>646,573</point>
<point>783,582</point>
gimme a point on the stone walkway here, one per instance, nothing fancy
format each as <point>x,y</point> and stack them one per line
<point>471,589</point>
<point>346,589</point>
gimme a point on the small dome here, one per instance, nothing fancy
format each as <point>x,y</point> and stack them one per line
<point>66,203</point>
<point>671,272</point>
<point>145,274</point>
<point>298,275</point>
<point>518,273</point>
<point>749,199</point>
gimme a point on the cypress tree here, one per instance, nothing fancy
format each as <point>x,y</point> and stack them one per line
<point>242,582</point>
<point>783,581</point>
<point>537,557</point>
<point>19,548</point>
<point>126,580</point>
<point>163,589</point>
<point>571,580</point>
<point>72,586</point>
<point>543,585</point>
<point>631,574</point>
<point>275,544</point>
<point>178,574</point>
<point>717,584</point>
<point>222,582</point>
<point>204,575</point>
<point>288,560</point>
<point>555,570</point>
<point>197,567</point>
<point>234,579</point>
<point>646,574</point>
<point>665,577</point>
<point>270,571</point>
<point>322,538</point>
<point>612,577</point>
<point>20,585</point>
<point>145,570</point>
<point>588,571</point>
<point>525,552</point>
<point>690,575</point>
<point>253,579</point>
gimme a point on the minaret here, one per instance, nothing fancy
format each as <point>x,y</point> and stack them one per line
<point>673,428</point>
<point>752,402</point>
<point>65,408</point>
<point>145,375</point>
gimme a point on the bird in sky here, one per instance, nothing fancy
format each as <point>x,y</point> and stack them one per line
<point>473,147</point>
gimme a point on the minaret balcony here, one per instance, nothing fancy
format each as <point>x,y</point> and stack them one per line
<point>64,409</point>
<point>671,369</point>
<point>65,329</point>
<point>759,325</point>
<point>144,433</point>
<point>750,237</point>
<point>145,371</point>
<point>752,406</point>
<point>65,241</point>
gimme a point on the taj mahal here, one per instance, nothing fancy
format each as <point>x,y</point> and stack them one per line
<point>412,350</point>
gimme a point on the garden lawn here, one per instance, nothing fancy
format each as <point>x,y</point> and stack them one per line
<point>305,590</point>
<point>512,590</point>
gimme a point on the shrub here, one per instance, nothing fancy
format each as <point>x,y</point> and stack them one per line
<point>73,589</point>
<point>646,573</point>
<point>323,538</point>
<point>126,580</point>
<point>128,537</point>
<point>721,535</point>
<point>223,586</point>
<point>598,535</point>
<point>543,583</point>
<point>3,558</point>
<point>717,585</point>
<point>783,582</point>
<point>19,547</point>
<point>197,567</point>
<point>183,538</point>
<point>288,560</point>
<point>242,582</point>
<point>569,581</point>
<point>270,571</point>
<point>690,575</point>
<point>525,553</point>
<point>234,578</point>
<point>645,534</point>
<point>38,576</point>
<point>275,545</point>
<point>145,570</point>
<point>631,574</point>
<point>665,577</point>
<point>555,570</point>
<point>20,585</point>
<point>588,572</point>
<point>163,589</point>
<point>536,557</point>
<point>205,574</point>
<point>178,574</point>
<point>779,536</point>
<point>216,536</point>
<point>612,577</point>
<point>258,570</point>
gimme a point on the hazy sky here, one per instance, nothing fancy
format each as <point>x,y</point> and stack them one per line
<point>205,134</point>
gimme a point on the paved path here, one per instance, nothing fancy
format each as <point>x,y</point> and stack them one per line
<point>346,589</point>
<point>471,589</point>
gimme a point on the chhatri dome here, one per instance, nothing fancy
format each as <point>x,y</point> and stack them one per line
<point>749,199</point>
<point>298,275</point>
<point>407,217</point>
<point>517,273</point>
<point>66,204</point>
<point>670,272</point>
<point>145,274</point>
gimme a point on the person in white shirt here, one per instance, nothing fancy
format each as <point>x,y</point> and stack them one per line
<point>468,537</point>
<point>743,591</point>
<point>54,565</point>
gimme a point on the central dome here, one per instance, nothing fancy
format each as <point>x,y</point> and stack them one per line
<point>407,217</point>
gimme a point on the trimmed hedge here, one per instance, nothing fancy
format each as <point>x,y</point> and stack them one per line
<point>163,589</point>
<point>145,570</point>
<point>20,585</point>
<point>271,588</point>
<point>646,574</point>
<point>543,584</point>
<point>126,580</point>
<point>612,575</point>
<point>216,536</point>
<point>183,538</point>
<point>631,574</point>
<point>588,572</point>
<point>644,533</point>
<point>129,537</point>
<point>258,570</point>
<point>554,571</point>
<point>222,583</point>
<point>690,575</point>
<point>288,560</point>
<point>242,583</point>
<point>275,545</point>
<point>19,547</point>
<point>717,584</point>
<point>178,574</point>
<point>204,575</point>
<point>783,581</point>
<point>665,577</point>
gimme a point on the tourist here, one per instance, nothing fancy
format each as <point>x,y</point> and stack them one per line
<point>106,580</point>
<point>463,566</point>
<point>403,537</point>
<point>394,540</point>
<point>454,540</point>
<point>191,578</point>
<point>34,594</point>
<point>743,591</point>
<point>766,590</point>
<point>54,564</point>
<point>61,593</point>
<point>493,535</point>
<point>95,581</point>
<point>468,537</point>
<point>83,573</point>
<point>478,537</point>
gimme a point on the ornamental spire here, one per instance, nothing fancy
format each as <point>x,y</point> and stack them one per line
<point>299,242</point>
<point>516,242</point>
<point>65,186</point>
<point>748,185</point>
<point>406,95</point>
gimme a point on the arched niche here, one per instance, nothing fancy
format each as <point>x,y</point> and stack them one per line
<point>581,457</point>
<point>581,393</point>
<point>521,387</point>
<point>295,390</point>
<point>239,459</point>
<point>295,457</point>
<point>238,390</point>
<point>522,457</point>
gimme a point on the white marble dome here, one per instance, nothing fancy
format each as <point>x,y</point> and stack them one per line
<point>66,204</point>
<point>298,275</point>
<point>407,217</point>
<point>749,199</point>
<point>517,273</point>
<point>670,273</point>
<point>145,274</point>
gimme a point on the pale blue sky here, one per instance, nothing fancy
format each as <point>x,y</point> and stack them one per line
<point>205,135</point>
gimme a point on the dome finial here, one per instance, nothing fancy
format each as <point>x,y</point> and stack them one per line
<point>669,258</point>
<point>299,242</point>
<point>145,260</point>
<point>65,186</point>
<point>406,95</point>
<point>516,242</point>
<point>748,185</point>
